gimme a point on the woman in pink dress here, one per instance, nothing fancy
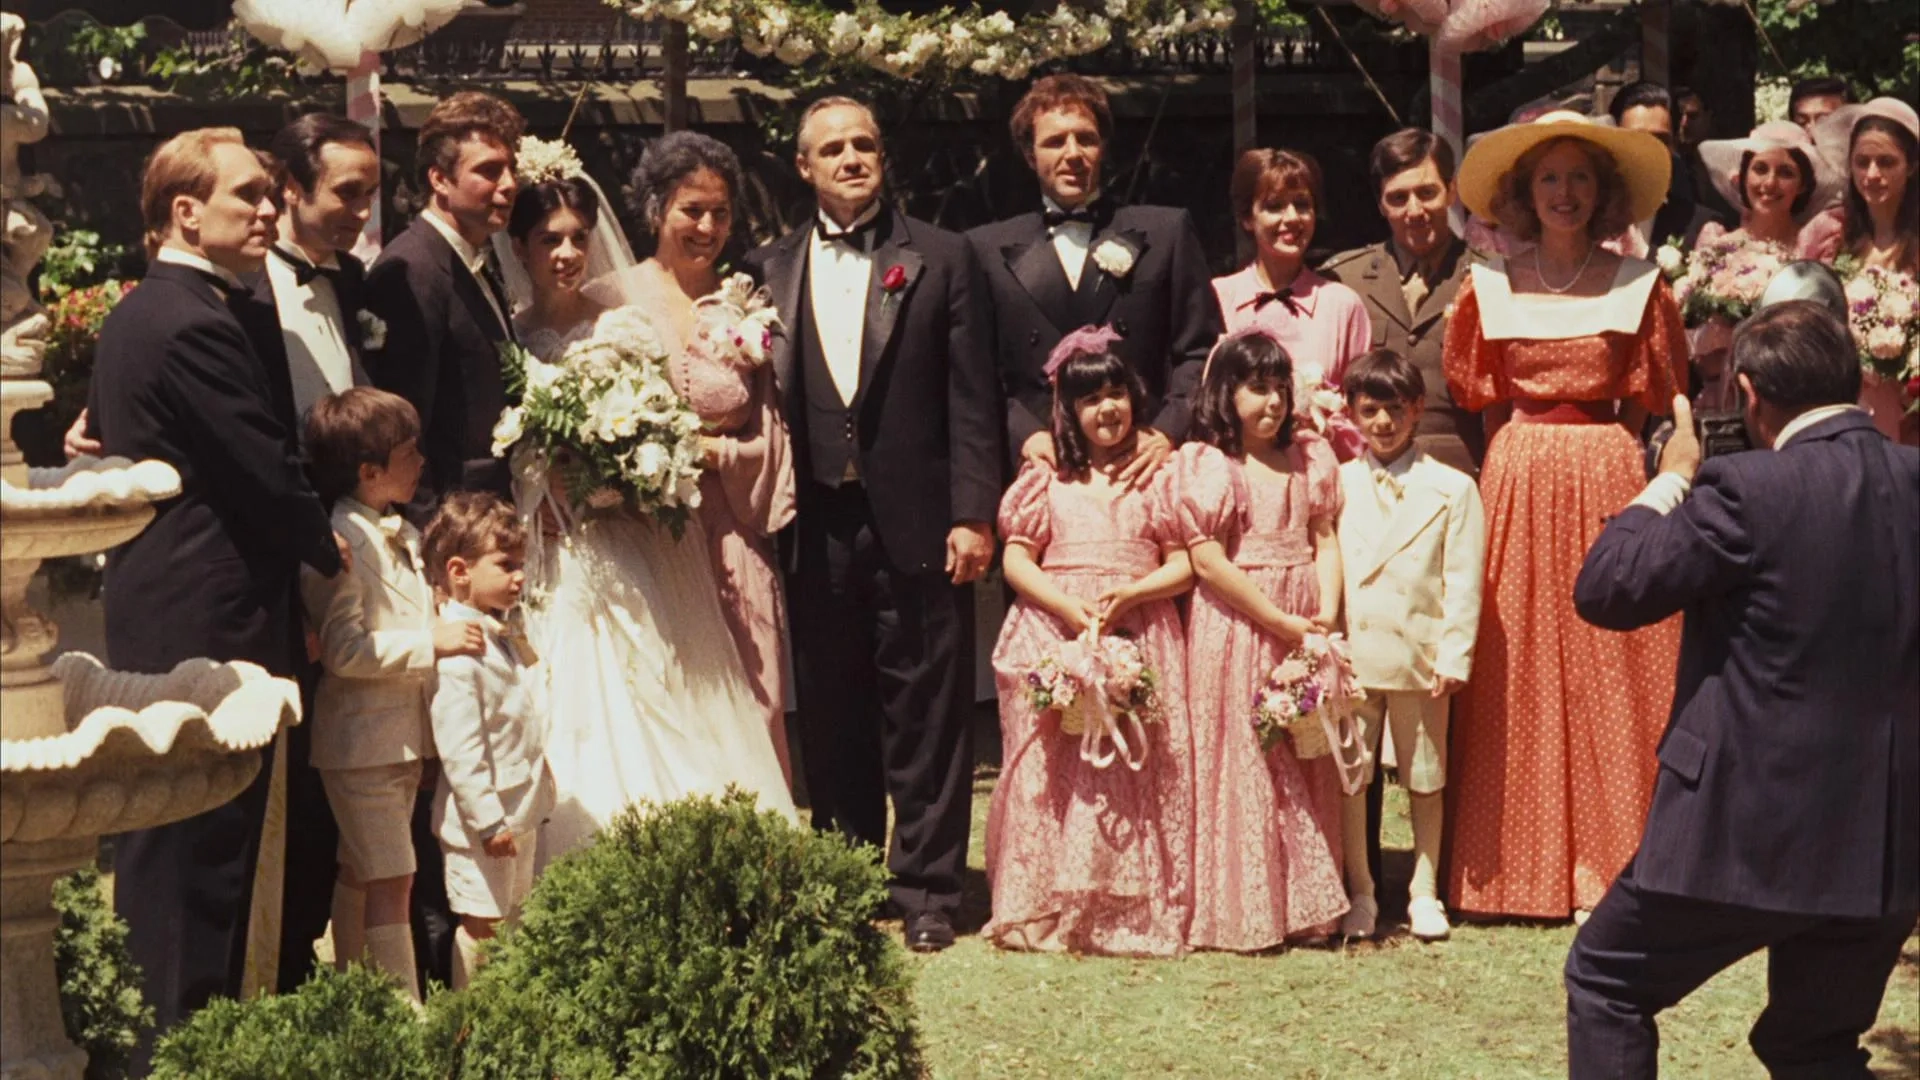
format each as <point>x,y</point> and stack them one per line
<point>1258,502</point>
<point>1083,857</point>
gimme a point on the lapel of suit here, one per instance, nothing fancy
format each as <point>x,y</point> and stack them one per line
<point>1379,281</point>
<point>786,271</point>
<point>1099,289</point>
<point>466,286</point>
<point>254,305</point>
<point>1036,266</point>
<point>1419,504</point>
<point>884,304</point>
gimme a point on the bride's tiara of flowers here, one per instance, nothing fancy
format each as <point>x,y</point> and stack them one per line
<point>538,160</point>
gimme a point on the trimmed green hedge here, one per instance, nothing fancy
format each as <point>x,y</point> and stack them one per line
<point>100,1000</point>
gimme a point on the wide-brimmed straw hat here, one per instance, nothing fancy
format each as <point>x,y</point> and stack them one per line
<point>1833,133</point>
<point>1722,157</point>
<point>1645,164</point>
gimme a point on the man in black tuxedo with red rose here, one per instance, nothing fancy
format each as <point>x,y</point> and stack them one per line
<point>1079,261</point>
<point>888,387</point>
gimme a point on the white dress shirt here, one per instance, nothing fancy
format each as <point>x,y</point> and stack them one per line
<point>472,257</point>
<point>839,277</point>
<point>201,263</point>
<point>1071,241</point>
<point>314,329</point>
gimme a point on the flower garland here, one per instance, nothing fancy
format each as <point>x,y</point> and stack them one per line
<point>909,46</point>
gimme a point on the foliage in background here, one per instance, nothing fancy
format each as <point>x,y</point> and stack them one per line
<point>1874,44</point>
<point>339,1024</point>
<point>702,939</point>
<point>100,999</point>
<point>75,50</point>
<point>78,257</point>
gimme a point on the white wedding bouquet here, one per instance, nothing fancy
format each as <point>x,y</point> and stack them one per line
<point>605,414</point>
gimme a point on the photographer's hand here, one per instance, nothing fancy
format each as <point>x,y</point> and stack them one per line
<point>1681,455</point>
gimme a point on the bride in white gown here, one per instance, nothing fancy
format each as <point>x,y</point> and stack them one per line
<point>649,698</point>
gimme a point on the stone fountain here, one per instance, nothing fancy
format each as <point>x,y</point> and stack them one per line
<point>84,752</point>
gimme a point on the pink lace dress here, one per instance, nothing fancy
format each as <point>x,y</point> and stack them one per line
<point>1266,827</point>
<point>1085,859</point>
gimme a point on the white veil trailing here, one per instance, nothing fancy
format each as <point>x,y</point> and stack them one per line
<point>541,160</point>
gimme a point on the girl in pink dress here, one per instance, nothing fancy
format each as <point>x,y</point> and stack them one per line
<point>1258,502</point>
<point>1085,858</point>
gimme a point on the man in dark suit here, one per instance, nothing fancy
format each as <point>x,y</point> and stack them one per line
<point>888,387</point>
<point>180,378</point>
<point>1786,815</point>
<point>1080,261</point>
<point>439,294</point>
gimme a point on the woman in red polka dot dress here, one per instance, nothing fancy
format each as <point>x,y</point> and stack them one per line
<point>1567,349</point>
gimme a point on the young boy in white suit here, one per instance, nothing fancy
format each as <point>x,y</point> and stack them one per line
<point>489,722</point>
<point>1413,544</point>
<point>379,641</point>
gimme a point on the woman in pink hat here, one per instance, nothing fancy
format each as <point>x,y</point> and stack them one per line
<point>1780,181</point>
<point>1878,224</point>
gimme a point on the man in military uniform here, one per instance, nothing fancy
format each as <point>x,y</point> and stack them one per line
<point>1409,282</point>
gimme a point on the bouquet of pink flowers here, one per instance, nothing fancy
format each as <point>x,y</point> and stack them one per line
<point>1102,689</point>
<point>1723,278</point>
<point>1883,309</point>
<point>1320,407</point>
<point>1309,698</point>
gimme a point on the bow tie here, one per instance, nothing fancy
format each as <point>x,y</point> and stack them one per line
<point>512,632</point>
<point>400,534</point>
<point>1389,485</point>
<point>1056,218</point>
<point>859,234</point>
<point>1284,296</point>
<point>304,272</point>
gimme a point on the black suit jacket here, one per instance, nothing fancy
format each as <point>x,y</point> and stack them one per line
<point>179,377</point>
<point>928,409</point>
<point>442,353</point>
<point>1790,771</point>
<point>349,291</point>
<point>1164,309</point>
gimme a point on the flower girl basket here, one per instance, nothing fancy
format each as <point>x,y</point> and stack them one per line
<point>1309,698</point>
<point>1103,691</point>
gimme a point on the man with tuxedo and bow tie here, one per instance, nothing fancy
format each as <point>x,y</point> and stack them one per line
<point>1080,261</point>
<point>181,376</point>
<point>888,387</point>
<point>445,314</point>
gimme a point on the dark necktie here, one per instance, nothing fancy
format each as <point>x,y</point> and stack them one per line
<point>304,272</point>
<point>858,236</point>
<point>490,274</point>
<point>1284,296</point>
<point>1056,218</point>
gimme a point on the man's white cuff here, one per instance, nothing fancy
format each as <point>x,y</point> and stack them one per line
<point>1664,493</point>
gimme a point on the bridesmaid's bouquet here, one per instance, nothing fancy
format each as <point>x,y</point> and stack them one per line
<point>1723,278</point>
<point>1309,698</point>
<point>1883,308</point>
<point>1320,407</point>
<point>607,408</point>
<point>1101,689</point>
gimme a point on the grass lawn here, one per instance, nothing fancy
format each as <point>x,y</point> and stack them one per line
<point>1487,1004</point>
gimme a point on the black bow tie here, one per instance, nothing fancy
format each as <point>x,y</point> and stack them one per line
<point>1055,218</point>
<point>859,234</point>
<point>1285,296</point>
<point>304,272</point>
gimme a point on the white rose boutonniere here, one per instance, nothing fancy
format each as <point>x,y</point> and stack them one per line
<point>1115,257</point>
<point>373,331</point>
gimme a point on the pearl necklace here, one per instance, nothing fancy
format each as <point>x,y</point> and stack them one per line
<point>1577,274</point>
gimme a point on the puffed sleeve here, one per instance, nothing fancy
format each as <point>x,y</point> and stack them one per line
<point>1163,510</point>
<point>1211,495</point>
<point>1472,363</point>
<point>1025,516</point>
<point>1657,366</point>
<point>1324,497</point>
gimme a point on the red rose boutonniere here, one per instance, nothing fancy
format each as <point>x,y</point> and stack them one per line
<point>894,279</point>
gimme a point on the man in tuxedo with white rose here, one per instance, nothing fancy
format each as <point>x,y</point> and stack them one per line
<point>1080,260</point>
<point>888,386</point>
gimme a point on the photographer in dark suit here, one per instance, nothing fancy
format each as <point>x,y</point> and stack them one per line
<point>1786,816</point>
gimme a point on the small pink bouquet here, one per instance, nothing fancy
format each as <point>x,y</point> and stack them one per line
<point>1309,697</point>
<point>1102,689</point>
<point>1883,310</point>
<point>1320,407</point>
<point>1723,278</point>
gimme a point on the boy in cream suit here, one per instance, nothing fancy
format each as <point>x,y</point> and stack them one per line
<point>489,722</point>
<point>1413,545</point>
<point>379,640</point>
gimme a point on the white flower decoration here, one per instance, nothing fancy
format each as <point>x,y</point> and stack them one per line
<point>507,431</point>
<point>1115,257</point>
<point>538,160</point>
<point>373,330</point>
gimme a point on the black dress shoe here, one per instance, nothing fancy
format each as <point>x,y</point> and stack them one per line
<point>929,932</point>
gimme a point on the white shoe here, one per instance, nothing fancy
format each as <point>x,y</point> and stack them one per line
<point>1360,918</point>
<point>1428,918</point>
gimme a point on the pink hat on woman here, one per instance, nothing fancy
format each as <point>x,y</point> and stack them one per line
<point>1722,158</point>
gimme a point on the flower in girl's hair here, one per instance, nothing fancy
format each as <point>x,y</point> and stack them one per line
<point>538,160</point>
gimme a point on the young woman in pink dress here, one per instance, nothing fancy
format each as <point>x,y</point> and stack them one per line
<point>1258,502</point>
<point>1084,858</point>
